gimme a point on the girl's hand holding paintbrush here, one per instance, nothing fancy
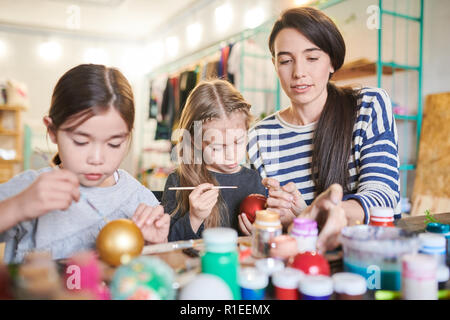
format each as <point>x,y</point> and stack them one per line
<point>201,202</point>
<point>54,190</point>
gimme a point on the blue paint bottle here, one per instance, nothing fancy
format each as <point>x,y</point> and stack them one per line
<point>253,284</point>
<point>316,288</point>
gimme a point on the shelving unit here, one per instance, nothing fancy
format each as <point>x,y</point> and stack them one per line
<point>381,64</point>
<point>11,140</point>
<point>362,68</point>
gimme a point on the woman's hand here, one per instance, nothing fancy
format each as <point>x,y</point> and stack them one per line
<point>201,202</point>
<point>244,224</point>
<point>153,222</point>
<point>285,200</point>
<point>327,210</point>
<point>54,190</point>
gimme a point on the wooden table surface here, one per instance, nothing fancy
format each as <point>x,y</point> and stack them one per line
<point>417,223</point>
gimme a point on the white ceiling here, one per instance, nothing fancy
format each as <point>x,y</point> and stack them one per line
<point>132,19</point>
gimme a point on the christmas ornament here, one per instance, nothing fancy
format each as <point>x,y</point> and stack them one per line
<point>143,278</point>
<point>311,263</point>
<point>119,241</point>
<point>251,204</point>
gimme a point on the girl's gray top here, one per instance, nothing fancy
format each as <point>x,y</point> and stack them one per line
<point>65,232</point>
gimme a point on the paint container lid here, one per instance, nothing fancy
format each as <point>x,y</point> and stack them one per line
<point>288,278</point>
<point>382,212</point>
<point>269,265</point>
<point>316,286</point>
<point>432,243</point>
<point>443,273</point>
<point>266,216</point>
<point>304,227</point>
<point>419,266</point>
<point>206,286</point>
<point>436,227</point>
<point>220,240</point>
<point>348,283</point>
<point>251,278</point>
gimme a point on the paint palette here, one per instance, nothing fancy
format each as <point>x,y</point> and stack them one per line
<point>375,253</point>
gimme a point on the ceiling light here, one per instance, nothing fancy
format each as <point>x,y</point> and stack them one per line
<point>254,18</point>
<point>50,51</point>
<point>224,17</point>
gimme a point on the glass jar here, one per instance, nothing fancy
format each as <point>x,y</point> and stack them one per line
<point>266,227</point>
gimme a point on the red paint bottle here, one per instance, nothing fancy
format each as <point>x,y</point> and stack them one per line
<point>286,283</point>
<point>381,217</point>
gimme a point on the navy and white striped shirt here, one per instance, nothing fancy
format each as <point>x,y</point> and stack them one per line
<point>283,151</point>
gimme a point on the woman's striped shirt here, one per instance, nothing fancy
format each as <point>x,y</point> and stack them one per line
<point>283,151</point>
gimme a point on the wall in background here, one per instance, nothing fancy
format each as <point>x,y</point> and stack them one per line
<point>21,61</point>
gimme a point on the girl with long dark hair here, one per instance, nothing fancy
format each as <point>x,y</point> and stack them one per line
<point>53,209</point>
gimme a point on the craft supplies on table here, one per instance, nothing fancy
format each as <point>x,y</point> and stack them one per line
<point>221,257</point>
<point>305,232</point>
<point>375,253</point>
<point>187,274</point>
<point>349,286</point>
<point>206,287</point>
<point>419,280</point>
<point>381,217</point>
<point>286,283</point>
<point>266,227</point>
<point>251,204</point>
<point>443,230</point>
<point>311,263</point>
<point>253,283</point>
<point>143,278</point>
<point>283,247</point>
<point>269,266</point>
<point>316,288</point>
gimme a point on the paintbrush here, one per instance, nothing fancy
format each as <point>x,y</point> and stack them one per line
<point>82,196</point>
<point>192,188</point>
<point>170,246</point>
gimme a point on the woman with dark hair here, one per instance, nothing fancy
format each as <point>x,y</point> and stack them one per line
<point>333,153</point>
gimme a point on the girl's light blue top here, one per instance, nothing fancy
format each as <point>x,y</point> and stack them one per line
<point>65,232</point>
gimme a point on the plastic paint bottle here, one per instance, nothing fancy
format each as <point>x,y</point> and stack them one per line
<point>286,283</point>
<point>269,266</point>
<point>305,232</point>
<point>316,288</point>
<point>253,284</point>
<point>221,257</point>
<point>442,275</point>
<point>419,277</point>
<point>434,245</point>
<point>283,247</point>
<point>441,229</point>
<point>349,286</point>
<point>381,217</point>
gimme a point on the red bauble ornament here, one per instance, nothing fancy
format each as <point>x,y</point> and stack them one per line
<point>311,263</point>
<point>252,203</point>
